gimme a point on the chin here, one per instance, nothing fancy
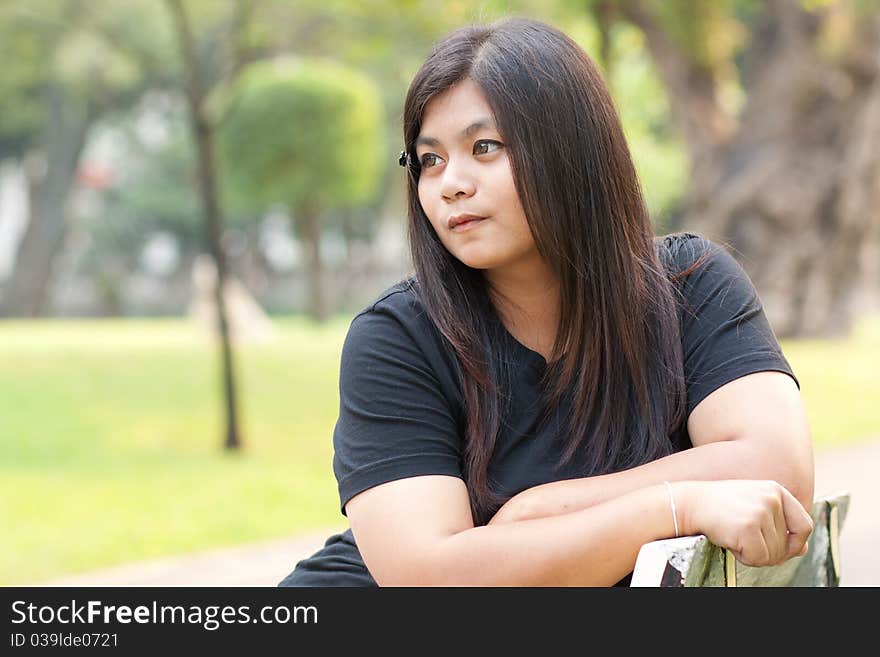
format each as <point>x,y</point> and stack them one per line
<point>479,261</point>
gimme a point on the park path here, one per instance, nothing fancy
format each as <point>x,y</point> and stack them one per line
<point>855,469</point>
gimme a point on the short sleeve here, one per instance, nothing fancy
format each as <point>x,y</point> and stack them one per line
<point>725,333</point>
<point>394,419</point>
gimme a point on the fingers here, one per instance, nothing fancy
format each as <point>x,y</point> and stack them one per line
<point>763,554</point>
<point>796,545</point>
<point>767,538</point>
<point>778,528</point>
<point>798,522</point>
<point>778,541</point>
<point>761,520</point>
<point>753,550</point>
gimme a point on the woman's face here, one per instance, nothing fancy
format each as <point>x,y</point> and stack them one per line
<point>465,170</point>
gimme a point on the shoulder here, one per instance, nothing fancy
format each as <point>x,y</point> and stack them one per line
<point>402,297</point>
<point>707,278</point>
<point>395,309</point>
<point>682,250</point>
<point>696,264</point>
<point>725,333</point>
<point>395,327</point>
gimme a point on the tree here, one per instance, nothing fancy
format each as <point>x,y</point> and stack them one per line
<point>306,133</point>
<point>778,103</point>
<point>203,132</point>
<point>68,63</point>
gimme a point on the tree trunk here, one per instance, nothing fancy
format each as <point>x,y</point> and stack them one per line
<point>203,134</point>
<point>794,190</point>
<point>309,229</point>
<point>797,194</point>
<point>50,175</point>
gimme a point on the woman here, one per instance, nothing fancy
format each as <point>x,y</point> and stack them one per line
<point>555,386</point>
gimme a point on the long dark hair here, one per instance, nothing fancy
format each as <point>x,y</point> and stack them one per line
<point>617,355</point>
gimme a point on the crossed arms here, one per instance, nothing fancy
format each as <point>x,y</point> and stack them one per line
<point>588,531</point>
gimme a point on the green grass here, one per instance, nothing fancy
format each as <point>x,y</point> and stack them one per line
<point>840,384</point>
<point>112,432</point>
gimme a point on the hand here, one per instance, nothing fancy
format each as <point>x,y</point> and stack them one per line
<point>759,521</point>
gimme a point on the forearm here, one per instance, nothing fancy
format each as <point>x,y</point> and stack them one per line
<point>719,460</point>
<point>596,546</point>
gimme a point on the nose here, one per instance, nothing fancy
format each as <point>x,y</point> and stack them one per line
<point>458,181</point>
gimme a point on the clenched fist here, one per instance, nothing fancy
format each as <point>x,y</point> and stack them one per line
<point>759,521</point>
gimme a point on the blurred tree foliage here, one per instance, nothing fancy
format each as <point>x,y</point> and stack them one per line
<point>129,50</point>
<point>67,63</point>
<point>152,193</point>
<point>305,133</point>
<point>749,120</point>
<point>301,131</point>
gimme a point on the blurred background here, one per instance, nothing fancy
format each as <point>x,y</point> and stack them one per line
<point>149,149</point>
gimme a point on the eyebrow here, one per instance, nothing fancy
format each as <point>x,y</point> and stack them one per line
<point>467,132</point>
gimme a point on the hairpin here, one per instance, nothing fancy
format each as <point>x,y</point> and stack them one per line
<point>403,159</point>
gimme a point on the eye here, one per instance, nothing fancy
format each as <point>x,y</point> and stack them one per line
<point>481,147</point>
<point>486,142</point>
<point>425,160</point>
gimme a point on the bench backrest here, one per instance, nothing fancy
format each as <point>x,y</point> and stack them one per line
<point>694,561</point>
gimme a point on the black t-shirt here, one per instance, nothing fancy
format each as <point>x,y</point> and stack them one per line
<point>401,404</point>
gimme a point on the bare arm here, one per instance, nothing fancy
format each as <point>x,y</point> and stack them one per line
<point>595,546</point>
<point>418,532</point>
<point>754,427</point>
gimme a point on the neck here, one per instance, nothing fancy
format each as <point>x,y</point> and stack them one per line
<point>527,300</point>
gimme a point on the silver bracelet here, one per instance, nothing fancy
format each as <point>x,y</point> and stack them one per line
<point>672,504</point>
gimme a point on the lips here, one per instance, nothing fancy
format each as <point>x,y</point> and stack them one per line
<point>463,219</point>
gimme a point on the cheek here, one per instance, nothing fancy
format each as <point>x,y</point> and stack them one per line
<point>511,194</point>
<point>508,198</point>
<point>427,208</point>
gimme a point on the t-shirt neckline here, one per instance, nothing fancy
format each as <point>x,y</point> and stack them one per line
<point>533,358</point>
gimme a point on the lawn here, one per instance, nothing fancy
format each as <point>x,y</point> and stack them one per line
<point>112,436</point>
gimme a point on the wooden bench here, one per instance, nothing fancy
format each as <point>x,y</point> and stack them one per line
<point>694,561</point>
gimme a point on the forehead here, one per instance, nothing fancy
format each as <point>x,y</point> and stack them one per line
<point>447,113</point>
